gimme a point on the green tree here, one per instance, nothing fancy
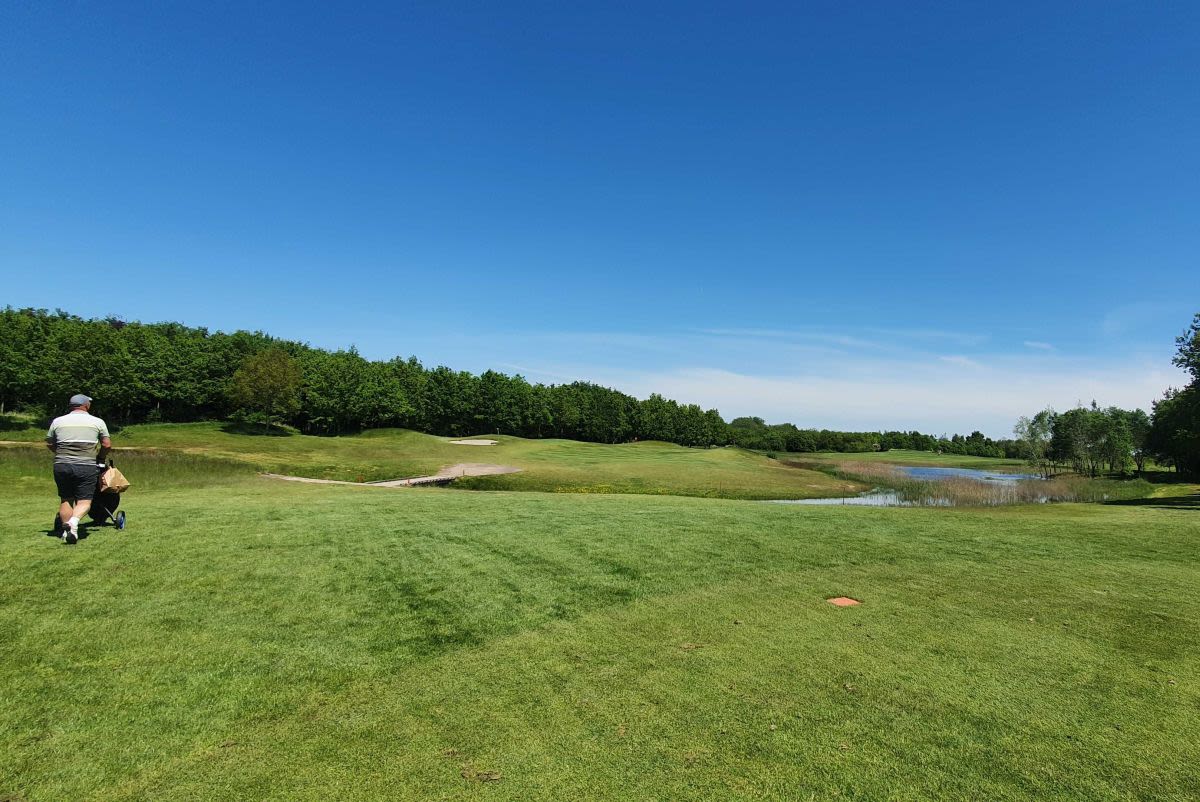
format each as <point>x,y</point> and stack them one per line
<point>410,375</point>
<point>1034,435</point>
<point>1174,434</point>
<point>266,388</point>
<point>1070,439</point>
<point>1188,354</point>
<point>658,419</point>
<point>503,403</point>
<point>718,430</point>
<point>343,392</point>
<point>451,401</point>
<point>20,330</point>
<point>1116,446</point>
<point>1138,423</point>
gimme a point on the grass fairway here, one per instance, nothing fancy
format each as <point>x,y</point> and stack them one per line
<point>249,639</point>
<point>547,465</point>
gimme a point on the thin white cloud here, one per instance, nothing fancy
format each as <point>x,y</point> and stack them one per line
<point>1039,346</point>
<point>536,374</point>
<point>832,338</point>
<point>1143,315</point>
<point>869,336</point>
<point>960,337</point>
<point>931,399</point>
<point>813,381</point>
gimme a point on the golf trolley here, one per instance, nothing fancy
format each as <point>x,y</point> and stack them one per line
<point>104,505</point>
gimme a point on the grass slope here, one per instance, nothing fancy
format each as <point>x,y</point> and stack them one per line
<point>548,465</point>
<point>253,639</point>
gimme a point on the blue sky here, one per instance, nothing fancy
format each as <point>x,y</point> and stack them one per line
<point>850,215</point>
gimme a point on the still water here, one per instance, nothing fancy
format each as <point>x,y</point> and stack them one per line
<point>872,498</point>
<point>881,497</point>
<point>914,472</point>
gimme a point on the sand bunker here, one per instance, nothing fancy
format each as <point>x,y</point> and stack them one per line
<point>443,476</point>
<point>473,442</point>
<point>843,601</point>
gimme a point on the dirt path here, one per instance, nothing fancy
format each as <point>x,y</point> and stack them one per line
<point>444,475</point>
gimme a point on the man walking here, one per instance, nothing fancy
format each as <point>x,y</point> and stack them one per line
<point>73,439</point>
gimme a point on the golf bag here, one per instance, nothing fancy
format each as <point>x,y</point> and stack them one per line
<point>105,501</point>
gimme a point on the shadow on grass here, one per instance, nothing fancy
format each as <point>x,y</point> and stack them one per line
<point>1166,477</point>
<point>8,423</point>
<point>1188,502</point>
<point>255,429</point>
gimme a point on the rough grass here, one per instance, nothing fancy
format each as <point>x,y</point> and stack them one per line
<point>547,465</point>
<point>246,639</point>
<point>918,458</point>
<point>965,491</point>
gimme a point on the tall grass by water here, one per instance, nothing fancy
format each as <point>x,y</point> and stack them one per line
<point>962,491</point>
<point>144,469</point>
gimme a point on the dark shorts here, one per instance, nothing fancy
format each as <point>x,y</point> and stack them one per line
<point>76,482</point>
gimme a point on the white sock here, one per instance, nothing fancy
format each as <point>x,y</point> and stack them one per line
<point>72,523</point>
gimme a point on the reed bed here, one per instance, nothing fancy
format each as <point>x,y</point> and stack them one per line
<point>964,491</point>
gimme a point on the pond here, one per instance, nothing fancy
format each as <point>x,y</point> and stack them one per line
<point>872,498</point>
<point>927,473</point>
<point>883,497</point>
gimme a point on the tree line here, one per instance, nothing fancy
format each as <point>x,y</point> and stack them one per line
<point>1091,440</point>
<point>169,372</point>
<point>174,373</point>
<point>755,433</point>
<point>1088,440</point>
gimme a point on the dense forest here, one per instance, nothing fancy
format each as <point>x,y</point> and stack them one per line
<point>170,372</point>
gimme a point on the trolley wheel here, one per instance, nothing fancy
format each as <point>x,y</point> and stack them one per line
<point>120,519</point>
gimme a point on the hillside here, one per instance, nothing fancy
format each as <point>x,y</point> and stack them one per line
<point>546,465</point>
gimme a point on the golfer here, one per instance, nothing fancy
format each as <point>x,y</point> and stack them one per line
<point>73,438</point>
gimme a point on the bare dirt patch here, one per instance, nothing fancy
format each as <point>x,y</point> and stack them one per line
<point>307,480</point>
<point>843,601</point>
<point>472,774</point>
<point>452,472</point>
<point>443,476</point>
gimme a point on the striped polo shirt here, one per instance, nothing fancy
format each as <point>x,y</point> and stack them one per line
<point>75,437</point>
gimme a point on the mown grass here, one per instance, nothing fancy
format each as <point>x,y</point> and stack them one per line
<point>547,465</point>
<point>248,639</point>
<point>651,468</point>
